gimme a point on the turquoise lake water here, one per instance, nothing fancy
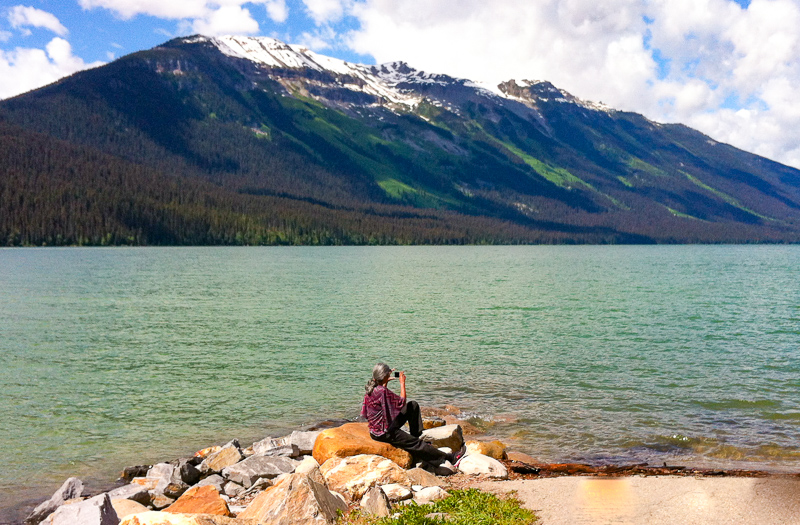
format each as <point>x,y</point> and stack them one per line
<point>681,354</point>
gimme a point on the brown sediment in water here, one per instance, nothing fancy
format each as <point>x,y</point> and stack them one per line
<point>522,470</point>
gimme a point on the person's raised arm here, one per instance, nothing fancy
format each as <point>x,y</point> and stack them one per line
<point>403,385</point>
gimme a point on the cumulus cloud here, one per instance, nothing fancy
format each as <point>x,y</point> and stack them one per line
<point>22,17</point>
<point>229,19</point>
<point>172,9</point>
<point>325,11</point>
<point>711,64</point>
<point>23,69</point>
<point>209,17</point>
<point>277,10</point>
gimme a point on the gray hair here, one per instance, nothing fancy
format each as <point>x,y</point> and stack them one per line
<point>379,374</point>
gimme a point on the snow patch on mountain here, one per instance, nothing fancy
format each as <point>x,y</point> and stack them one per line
<point>392,82</point>
<point>381,82</point>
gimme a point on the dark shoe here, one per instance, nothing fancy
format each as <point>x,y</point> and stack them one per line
<point>458,455</point>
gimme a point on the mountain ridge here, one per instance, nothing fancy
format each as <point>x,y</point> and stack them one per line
<point>261,119</point>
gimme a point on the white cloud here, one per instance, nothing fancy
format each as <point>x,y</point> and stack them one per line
<point>325,11</point>
<point>5,36</point>
<point>323,38</point>
<point>21,16</point>
<point>23,69</point>
<point>716,50</point>
<point>226,20</point>
<point>277,10</point>
<point>208,17</point>
<point>172,9</point>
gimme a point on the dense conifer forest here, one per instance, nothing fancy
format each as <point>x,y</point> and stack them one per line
<point>54,193</point>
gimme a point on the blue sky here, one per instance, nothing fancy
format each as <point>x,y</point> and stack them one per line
<point>98,34</point>
<point>726,67</point>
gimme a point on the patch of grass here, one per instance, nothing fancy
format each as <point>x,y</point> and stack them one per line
<point>639,165</point>
<point>625,181</point>
<point>462,507</point>
<point>676,213</point>
<point>395,188</point>
<point>725,197</point>
<point>558,176</point>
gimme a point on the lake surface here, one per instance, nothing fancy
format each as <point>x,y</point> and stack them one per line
<point>681,354</point>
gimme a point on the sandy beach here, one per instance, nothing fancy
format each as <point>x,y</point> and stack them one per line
<point>657,500</point>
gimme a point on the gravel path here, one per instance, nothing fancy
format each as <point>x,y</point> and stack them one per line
<point>657,500</point>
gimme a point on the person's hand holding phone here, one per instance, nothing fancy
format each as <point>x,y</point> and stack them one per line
<point>402,377</point>
<point>399,374</point>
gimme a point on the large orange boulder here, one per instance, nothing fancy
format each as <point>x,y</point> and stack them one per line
<point>200,500</point>
<point>353,439</point>
<point>494,449</point>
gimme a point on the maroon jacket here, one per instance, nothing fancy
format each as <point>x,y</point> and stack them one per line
<point>380,408</point>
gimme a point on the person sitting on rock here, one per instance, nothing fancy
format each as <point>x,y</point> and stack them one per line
<point>386,412</point>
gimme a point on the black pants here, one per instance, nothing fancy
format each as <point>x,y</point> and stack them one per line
<point>411,442</point>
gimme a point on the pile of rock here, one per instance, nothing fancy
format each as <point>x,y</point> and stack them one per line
<point>303,478</point>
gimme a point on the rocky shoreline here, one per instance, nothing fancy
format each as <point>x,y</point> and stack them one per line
<point>309,477</point>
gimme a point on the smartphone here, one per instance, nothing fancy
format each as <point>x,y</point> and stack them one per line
<point>397,374</point>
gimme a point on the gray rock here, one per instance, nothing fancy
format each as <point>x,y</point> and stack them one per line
<point>71,488</point>
<point>161,471</point>
<point>375,502</point>
<point>232,489</point>
<point>172,488</point>
<point>449,436</point>
<point>304,441</point>
<point>275,447</point>
<point>169,479</point>
<point>136,471</point>
<point>187,472</point>
<point>258,486</point>
<point>423,478</point>
<point>93,511</point>
<point>287,451</point>
<point>482,465</point>
<point>254,467</point>
<point>268,443</point>
<point>134,492</point>
<point>429,495</point>
<point>396,492</point>
<point>215,480</point>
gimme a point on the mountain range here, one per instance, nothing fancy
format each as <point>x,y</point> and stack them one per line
<point>247,140</point>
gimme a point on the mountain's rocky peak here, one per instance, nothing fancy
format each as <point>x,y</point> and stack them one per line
<point>394,82</point>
